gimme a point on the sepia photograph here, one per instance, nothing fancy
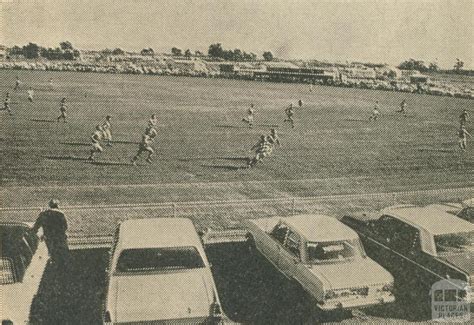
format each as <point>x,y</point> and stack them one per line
<point>236,162</point>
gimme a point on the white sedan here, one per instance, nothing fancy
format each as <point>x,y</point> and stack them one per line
<point>159,273</point>
<point>325,257</point>
<point>23,261</point>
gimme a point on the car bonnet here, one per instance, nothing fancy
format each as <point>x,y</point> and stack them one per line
<point>463,261</point>
<point>169,295</point>
<point>352,274</point>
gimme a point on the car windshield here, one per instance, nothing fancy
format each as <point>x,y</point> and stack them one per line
<point>454,243</point>
<point>159,259</point>
<point>335,251</point>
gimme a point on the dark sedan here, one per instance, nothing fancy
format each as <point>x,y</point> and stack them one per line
<point>421,243</point>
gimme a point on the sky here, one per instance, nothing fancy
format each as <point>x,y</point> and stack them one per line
<point>382,31</point>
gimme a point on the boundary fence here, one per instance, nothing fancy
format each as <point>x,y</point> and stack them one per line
<point>92,225</point>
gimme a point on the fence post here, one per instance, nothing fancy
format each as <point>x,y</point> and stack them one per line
<point>293,206</point>
<point>174,210</point>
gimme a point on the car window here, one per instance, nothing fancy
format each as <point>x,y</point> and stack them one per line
<point>159,259</point>
<point>7,271</point>
<point>32,240</point>
<point>15,246</point>
<point>334,251</point>
<point>293,243</point>
<point>26,253</point>
<point>454,243</point>
<point>398,234</point>
<point>279,233</point>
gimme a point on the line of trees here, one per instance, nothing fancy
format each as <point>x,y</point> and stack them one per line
<point>216,51</point>
<point>422,66</point>
<point>116,51</point>
<point>65,51</point>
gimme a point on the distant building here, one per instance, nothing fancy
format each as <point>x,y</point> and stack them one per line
<point>419,79</point>
<point>189,65</point>
<point>227,68</point>
<point>358,73</point>
<point>289,72</point>
<point>408,73</point>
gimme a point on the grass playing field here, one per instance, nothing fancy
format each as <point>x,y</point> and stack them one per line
<point>202,142</point>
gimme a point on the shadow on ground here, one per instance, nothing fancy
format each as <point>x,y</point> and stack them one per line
<point>74,296</point>
<point>251,291</point>
<point>225,167</point>
<point>66,158</point>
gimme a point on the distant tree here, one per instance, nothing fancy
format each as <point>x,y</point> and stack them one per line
<point>52,54</point>
<point>76,53</point>
<point>238,55</point>
<point>391,74</point>
<point>188,53</point>
<point>228,55</point>
<point>176,51</point>
<point>66,46</point>
<point>458,65</point>
<point>250,56</point>
<point>198,53</point>
<point>267,56</point>
<point>433,67</point>
<point>68,55</point>
<point>148,51</point>
<point>31,51</point>
<point>414,65</point>
<point>107,51</point>
<point>15,50</point>
<point>216,50</point>
<point>118,51</point>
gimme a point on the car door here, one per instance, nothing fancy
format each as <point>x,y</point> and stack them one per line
<point>272,249</point>
<point>402,252</point>
<point>290,255</point>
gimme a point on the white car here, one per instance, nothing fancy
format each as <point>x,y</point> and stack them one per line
<point>325,257</point>
<point>23,260</point>
<point>467,212</point>
<point>159,273</point>
<point>464,210</point>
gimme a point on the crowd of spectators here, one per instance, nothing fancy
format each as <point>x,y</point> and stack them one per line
<point>164,65</point>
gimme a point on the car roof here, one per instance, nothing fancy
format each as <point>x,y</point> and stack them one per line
<point>433,220</point>
<point>316,227</point>
<point>158,232</point>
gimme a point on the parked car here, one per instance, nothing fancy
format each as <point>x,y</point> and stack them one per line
<point>23,260</point>
<point>464,210</point>
<point>325,257</point>
<point>425,243</point>
<point>467,211</point>
<point>159,273</point>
